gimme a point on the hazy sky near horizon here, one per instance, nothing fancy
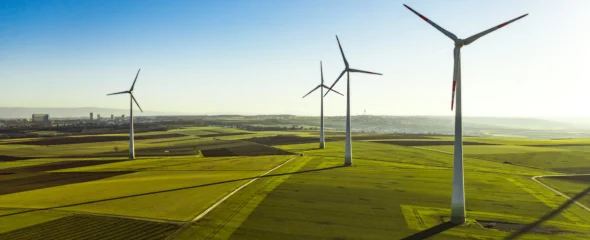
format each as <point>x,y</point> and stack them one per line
<point>261,57</point>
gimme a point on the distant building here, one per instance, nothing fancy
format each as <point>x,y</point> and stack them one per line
<point>40,118</point>
<point>91,116</point>
<point>123,116</point>
<point>112,117</point>
<point>97,116</point>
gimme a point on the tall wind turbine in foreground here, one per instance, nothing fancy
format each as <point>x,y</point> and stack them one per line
<point>347,70</point>
<point>321,87</point>
<point>458,197</point>
<point>132,99</point>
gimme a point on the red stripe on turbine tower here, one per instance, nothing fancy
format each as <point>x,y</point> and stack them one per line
<point>424,18</point>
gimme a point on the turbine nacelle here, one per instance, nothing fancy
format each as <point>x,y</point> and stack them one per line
<point>130,91</point>
<point>459,43</point>
<point>322,84</point>
<point>347,68</point>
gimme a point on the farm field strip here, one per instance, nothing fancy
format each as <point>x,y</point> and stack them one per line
<point>228,216</point>
<point>208,195</point>
<point>201,215</point>
<point>92,227</point>
<point>141,194</point>
<point>238,189</point>
<point>560,193</point>
<point>20,210</point>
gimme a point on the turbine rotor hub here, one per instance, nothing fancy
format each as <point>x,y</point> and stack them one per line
<point>459,43</point>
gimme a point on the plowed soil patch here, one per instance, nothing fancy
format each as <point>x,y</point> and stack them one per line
<point>245,150</point>
<point>219,152</point>
<point>11,158</point>
<point>224,134</point>
<point>391,136</point>
<point>93,227</point>
<point>92,139</point>
<point>283,140</point>
<point>429,143</point>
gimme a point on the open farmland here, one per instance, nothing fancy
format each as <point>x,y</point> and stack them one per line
<point>570,186</point>
<point>395,189</point>
<point>92,139</point>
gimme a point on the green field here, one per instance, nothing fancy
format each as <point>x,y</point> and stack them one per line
<point>399,186</point>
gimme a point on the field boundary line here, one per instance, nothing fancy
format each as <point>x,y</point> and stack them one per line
<point>198,217</point>
<point>238,189</point>
<point>558,192</point>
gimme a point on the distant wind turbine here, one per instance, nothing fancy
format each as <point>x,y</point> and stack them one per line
<point>347,70</point>
<point>131,138</point>
<point>321,87</point>
<point>458,195</point>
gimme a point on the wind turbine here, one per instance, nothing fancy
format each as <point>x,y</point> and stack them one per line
<point>321,87</point>
<point>347,70</point>
<point>130,92</point>
<point>458,195</point>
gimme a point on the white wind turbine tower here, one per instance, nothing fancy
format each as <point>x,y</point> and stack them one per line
<point>347,70</point>
<point>132,99</point>
<point>321,87</point>
<point>458,194</point>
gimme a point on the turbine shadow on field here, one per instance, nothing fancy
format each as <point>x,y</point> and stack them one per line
<point>172,190</point>
<point>549,215</point>
<point>432,231</point>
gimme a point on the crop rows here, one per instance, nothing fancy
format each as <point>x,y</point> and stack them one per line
<point>93,227</point>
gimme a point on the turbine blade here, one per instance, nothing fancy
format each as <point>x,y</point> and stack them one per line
<point>132,86</point>
<point>337,79</point>
<point>455,73</point>
<point>132,97</point>
<point>316,88</point>
<point>332,90</point>
<point>342,52</point>
<point>322,72</point>
<point>363,71</point>
<point>117,93</point>
<point>445,32</point>
<point>481,34</point>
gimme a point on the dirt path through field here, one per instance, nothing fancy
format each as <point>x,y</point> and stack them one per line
<point>197,218</point>
<point>558,192</point>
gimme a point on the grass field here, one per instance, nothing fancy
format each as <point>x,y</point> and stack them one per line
<point>570,186</point>
<point>399,187</point>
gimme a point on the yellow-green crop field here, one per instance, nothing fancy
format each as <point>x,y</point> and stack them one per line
<point>225,183</point>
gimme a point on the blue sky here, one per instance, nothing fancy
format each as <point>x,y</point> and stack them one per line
<point>260,57</point>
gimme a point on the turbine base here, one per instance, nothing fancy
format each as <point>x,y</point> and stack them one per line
<point>458,214</point>
<point>322,145</point>
<point>347,161</point>
<point>457,220</point>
